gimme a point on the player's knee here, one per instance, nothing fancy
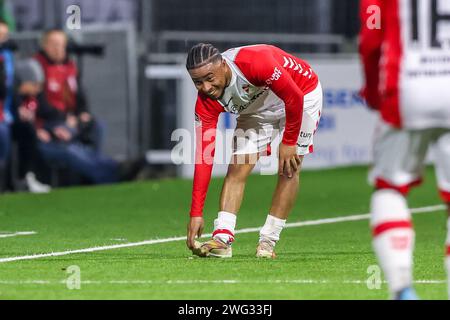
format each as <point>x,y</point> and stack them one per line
<point>239,172</point>
<point>245,159</point>
<point>388,205</point>
<point>294,179</point>
<point>381,184</point>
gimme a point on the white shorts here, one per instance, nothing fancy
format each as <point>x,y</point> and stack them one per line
<point>399,158</point>
<point>255,131</point>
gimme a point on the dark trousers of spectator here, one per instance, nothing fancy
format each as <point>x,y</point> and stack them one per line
<point>24,133</point>
<point>5,147</point>
<point>83,160</point>
<point>91,134</point>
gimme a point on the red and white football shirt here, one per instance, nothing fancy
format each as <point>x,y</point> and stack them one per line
<point>406,61</point>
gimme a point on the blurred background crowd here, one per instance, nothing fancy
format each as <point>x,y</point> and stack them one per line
<point>83,105</point>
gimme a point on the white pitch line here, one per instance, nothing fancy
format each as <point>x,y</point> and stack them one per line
<point>15,234</point>
<point>189,282</point>
<point>343,219</point>
<point>248,230</point>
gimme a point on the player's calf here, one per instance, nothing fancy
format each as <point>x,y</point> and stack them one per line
<point>393,238</point>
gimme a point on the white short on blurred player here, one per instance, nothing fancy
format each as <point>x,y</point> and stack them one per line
<point>271,91</point>
<point>407,67</point>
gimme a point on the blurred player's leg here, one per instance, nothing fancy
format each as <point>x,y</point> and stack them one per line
<point>393,238</point>
<point>398,164</point>
<point>442,155</point>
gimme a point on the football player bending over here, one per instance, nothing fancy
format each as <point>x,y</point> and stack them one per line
<point>271,91</point>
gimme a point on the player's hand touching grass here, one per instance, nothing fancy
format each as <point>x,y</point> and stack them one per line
<point>289,162</point>
<point>194,228</point>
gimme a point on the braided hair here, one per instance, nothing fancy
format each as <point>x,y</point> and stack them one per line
<point>202,54</point>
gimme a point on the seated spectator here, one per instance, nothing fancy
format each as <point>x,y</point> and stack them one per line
<point>54,137</point>
<point>6,84</point>
<point>63,90</point>
<point>7,71</point>
<point>29,84</point>
<point>4,132</point>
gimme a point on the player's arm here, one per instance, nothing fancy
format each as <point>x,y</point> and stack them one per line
<point>206,114</point>
<point>370,40</point>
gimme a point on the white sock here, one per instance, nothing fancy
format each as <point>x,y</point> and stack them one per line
<point>447,257</point>
<point>393,237</point>
<point>224,227</point>
<point>272,229</point>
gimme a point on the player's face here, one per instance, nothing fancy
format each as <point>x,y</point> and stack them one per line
<point>211,79</point>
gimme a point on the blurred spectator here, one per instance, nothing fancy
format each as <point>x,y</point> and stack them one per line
<point>6,86</point>
<point>26,114</point>
<point>51,137</point>
<point>4,129</point>
<point>7,58</point>
<point>72,122</point>
<point>63,90</point>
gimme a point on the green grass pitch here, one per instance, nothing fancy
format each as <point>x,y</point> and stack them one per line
<point>326,261</point>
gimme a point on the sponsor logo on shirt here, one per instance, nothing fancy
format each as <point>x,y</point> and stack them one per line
<point>305,135</point>
<point>239,108</point>
<point>275,76</point>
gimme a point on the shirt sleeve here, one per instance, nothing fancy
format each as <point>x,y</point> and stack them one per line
<point>265,69</point>
<point>370,40</point>
<point>206,117</point>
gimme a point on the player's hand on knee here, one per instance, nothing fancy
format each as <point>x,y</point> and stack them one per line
<point>297,162</point>
<point>288,160</point>
<point>294,164</point>
<point>194,228</point>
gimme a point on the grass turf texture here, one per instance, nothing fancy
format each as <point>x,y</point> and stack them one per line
<point>329,255</point>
